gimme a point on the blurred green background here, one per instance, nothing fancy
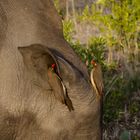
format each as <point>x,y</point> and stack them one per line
<point>108,31</point>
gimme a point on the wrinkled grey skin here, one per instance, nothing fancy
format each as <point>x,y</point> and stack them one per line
<point>27,110</point>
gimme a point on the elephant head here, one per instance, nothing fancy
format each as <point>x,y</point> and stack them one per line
<point>45,89</point>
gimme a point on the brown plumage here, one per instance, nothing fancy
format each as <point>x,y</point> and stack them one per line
<point>97,79</point>
<point>59,88</point>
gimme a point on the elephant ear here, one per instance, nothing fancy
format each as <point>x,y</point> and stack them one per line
<point>39,59</point>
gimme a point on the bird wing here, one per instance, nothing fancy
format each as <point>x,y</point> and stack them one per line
<point>59,89</point>
<point>97,79</point>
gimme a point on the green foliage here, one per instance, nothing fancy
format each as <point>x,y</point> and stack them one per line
<point>96,48</point>
<point>85,14</point>
<point>95,51</point>
<point>125,135</point>
<point>68,29</point>
<point>118,22</point>
<point>134,107</point>
<point>118,91</point>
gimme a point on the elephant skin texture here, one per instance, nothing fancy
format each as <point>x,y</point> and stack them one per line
<point>35,103</point>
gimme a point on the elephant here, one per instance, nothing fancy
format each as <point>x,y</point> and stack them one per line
<point>45,88</point>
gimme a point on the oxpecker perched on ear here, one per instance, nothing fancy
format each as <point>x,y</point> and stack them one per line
<point>58,87</point>
<point>97,78</point>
